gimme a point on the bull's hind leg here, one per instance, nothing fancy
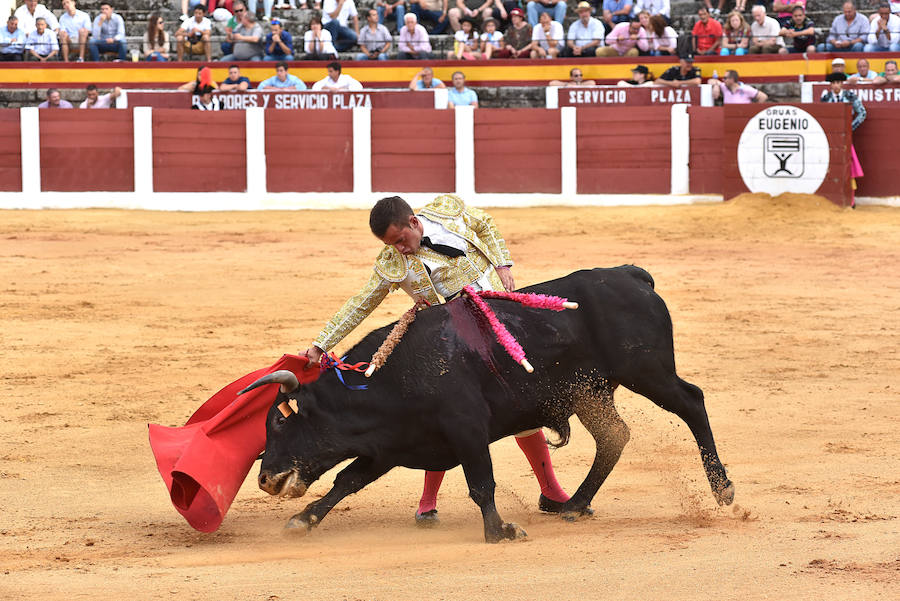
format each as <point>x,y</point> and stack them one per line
<point>686,401</point>
<point>480,478</point>
<point>600,418</point>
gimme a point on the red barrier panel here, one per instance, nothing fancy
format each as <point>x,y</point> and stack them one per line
<point>707,150</point>
<point>87,151</point>
<point>876,145</point>
<point>198,151</point>
<point>10,152</point>
<point>309,151</point>
<point>517,150</point>
<point>624,150</point>
<point>413,150</point>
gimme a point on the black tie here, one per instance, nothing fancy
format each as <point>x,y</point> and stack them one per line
<point>447,251</point>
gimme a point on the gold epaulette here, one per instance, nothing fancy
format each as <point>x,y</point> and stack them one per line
<point>391,265</point>
<point>445,205</point>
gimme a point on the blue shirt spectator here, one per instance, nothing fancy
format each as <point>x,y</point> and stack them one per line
<point>459,94</point>
<point>614,6</point>
<point>282,79</point>
<point>12,41</point>
<point>275,51</point>
<point>108,34</point>
<point>849,31</point>
<point>435,83</point>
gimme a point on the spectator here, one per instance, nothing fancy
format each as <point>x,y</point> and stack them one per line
<point>41,44</point>
<point>317,42</point>
<point>413,42</point>
<point>459,94</point>
<point>889,75</point>
<point>394,9</point>
<point>425,80</point>
<point>685,74</point>
<point>715,12</point>
<point>662,8</point>
<point>585,35</point>
<point>336,81</point>
<point>640,76</point>
<point>54,101</point>
<point>491,39</point>
<point>206,101</point>
<point>706,37</point>
<point>156,40</point>
<point>555,8</point>
<point>849,31</point>
<point>735,35</point>
<point>863,73</point>
<point>576,80</point>
<point>30,11</point>
<point>194,35</point>
<point>374,39</point>
<point>801,30</point>
<point>502,9</point>
<point>108,34</point>
<point>785,10</point>
<point>226,5</point>
<point>279,43</point>
<point>472,10</point>
<point>466,42</point>
<point>432,10</point>
<point>95,101</point>
<point>517,40</point>
<point>547,38</point>
<point>203,79</point>
<point>838,66</point>
<point>764,38</point>
<point>336,16</point>
<point>12,41</point>
<point>884,31</point>
<point>732,91</point>
<point>235,81</point>
<point>837,93</point>
<point>626,39</point>
<point>74,28</point>
<point>187,5</point>
<point>615,12</point>
<point>282,79</point>
<point>267,8</point>
<point>248,40</point>
<point>237,14</point>
<point>663,39</point>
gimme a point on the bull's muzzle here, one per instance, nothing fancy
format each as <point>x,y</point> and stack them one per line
<point>285,484</point>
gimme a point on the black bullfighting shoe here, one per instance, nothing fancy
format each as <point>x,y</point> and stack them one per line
<point>550,506</point>
<point>428,519</point>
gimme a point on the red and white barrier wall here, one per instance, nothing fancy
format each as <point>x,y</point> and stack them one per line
<point>177,159</point>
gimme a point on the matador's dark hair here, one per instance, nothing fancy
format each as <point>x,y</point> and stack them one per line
<point>389,211</point>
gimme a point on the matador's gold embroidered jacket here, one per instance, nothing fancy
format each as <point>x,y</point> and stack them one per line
<point>486,249</point>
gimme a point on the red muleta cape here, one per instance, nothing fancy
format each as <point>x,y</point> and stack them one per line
<point>204,462</point>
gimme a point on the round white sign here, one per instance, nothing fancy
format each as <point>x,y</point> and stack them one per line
<point>783,149</point>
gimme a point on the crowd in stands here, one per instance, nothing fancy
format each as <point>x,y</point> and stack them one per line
<point>481,30</point>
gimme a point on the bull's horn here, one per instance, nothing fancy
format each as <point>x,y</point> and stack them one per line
<point>287,379</point>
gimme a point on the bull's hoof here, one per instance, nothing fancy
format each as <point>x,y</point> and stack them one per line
<point>567,510</point>
<point>297,527</point>
<point>428,519</point>
<point>725,496</point>
<point>508,531</point>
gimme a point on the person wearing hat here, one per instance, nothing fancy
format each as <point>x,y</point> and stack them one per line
<point>585,35</point>
<point>576,80</point>
<point>884,32</point>
<point>685,74</point>
<point>466,43</point>
<point>517,40</point>
<point>194,33</point>
<point>640,76</point>
<point>849,31</point>
<point>837,93</point>
<point>206,101</point>
<point>279,43</point>
<point>491,41</point>
<point>838,66</point>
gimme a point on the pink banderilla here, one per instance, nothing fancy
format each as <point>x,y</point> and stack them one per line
<point>539,301</point>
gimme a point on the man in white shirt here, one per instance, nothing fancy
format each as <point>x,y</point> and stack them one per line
<point>336,81</point>
<point>95,101</point>
<point>654,7</point>
<point>764,38</point>
<point>336,15</point>
<point>41,44</point>
<point>546,38</point>
<point>30,11</point>
<point>585,34</point>
<point>74,29</point>
<point>194,34</point>
<point>884,32</point>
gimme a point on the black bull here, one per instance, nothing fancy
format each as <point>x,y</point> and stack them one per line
<point>449,390</point>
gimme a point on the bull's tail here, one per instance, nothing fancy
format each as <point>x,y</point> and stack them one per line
<point>563,432</point>
<point>639,274</point>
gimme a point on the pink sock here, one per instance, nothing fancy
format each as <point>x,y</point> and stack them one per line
<point>429,494</point>
<point>535,449</point>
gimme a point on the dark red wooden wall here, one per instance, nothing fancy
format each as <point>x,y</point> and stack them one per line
<point>517,150</point>
<point>707,149</point>
<point>309,151</point>
<point>413,150</point>
<point>877,143</point>
<point>10,152</point>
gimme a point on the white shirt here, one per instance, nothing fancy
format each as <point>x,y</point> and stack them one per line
<point>768,30</point>
<point>324,43</point>
<point>582,35</point>
<point>893,26</point>
<point>654,7</point>
<point>348,9</point>
<point>104,101</point>
<point>669,39</point>
<point>191,25</point>
<point>26,19</point>
<point>494,39</point>
<point>212,106</point>
<point>81,20</point>
<point>556,34</point>
<point>438,234</point>
<point>344,82</point>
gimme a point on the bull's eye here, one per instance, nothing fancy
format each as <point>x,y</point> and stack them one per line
<point>281,419</point>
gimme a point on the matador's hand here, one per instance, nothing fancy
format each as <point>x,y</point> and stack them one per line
<point>506,277</point>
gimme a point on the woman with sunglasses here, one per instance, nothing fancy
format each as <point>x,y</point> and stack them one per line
<point>156,40</point>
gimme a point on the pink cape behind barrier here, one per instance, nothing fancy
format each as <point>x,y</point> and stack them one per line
<point>204,462</point>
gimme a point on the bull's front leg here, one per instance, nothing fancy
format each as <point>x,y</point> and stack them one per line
<point>353,478</point>
<point>480,478</point>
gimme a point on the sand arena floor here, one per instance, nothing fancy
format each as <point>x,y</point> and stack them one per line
<point>786,313</point>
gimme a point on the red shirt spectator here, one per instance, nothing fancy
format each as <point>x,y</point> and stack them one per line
<point>707,33</point>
